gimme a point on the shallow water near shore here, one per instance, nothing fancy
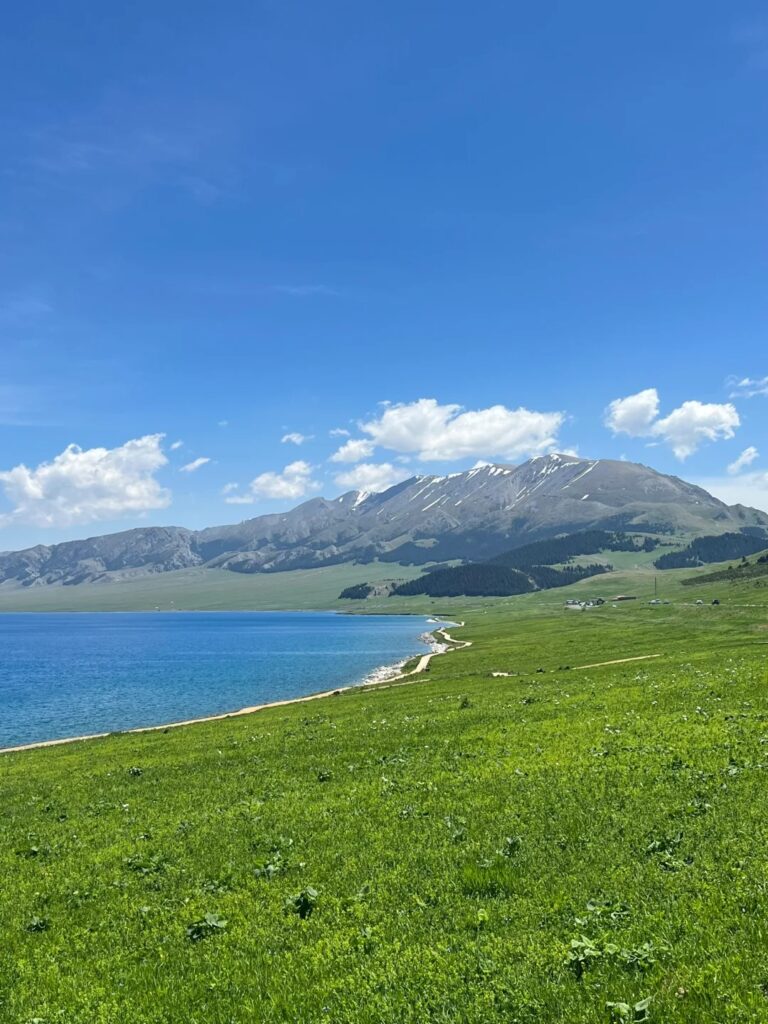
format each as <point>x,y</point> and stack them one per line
<point>67,675</point>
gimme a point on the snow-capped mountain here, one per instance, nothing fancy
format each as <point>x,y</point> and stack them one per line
<point>474,514</point>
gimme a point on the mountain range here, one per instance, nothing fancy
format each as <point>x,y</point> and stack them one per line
<point>471,515</point>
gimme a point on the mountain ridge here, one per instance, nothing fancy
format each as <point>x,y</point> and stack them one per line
<point>473,514</point>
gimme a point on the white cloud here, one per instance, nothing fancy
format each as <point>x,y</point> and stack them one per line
<point>295,438</point>
<point>746,458</point>
<point>83,486</point>
<point>370,476</point>
<point>747,489</point>
<point>240,499</point>
<point>633,415</point>
<point>748,388</point>
<point>685,429</point>
<point>354,451</point>
<point>176,445</point>
<point>229,488</point>
<point>443,432</point>
<point>338,432</point>
<point>688,426</point>
<point>194,465</point>
<point>223,423</point>
<point>294,482</point>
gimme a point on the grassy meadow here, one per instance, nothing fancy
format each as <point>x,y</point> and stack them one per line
<point>206,590</point>
<point>559,844</point>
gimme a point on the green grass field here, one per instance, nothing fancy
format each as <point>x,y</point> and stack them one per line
<point>206,590</point>
<point>558,845</point>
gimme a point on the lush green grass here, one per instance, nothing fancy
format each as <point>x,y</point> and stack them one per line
<point>620,559</point>
<point>460,832</point>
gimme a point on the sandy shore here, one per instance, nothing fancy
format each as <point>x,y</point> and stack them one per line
<point>421,666</point>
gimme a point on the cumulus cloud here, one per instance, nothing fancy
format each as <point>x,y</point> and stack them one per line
<point>633,415</point>
<point>370,476</point>
<point>747,387</point>
<point>194,465</point>
<point>295,438</point>
<point>293,482</point>
<point>445,432</point>
<point>746,458</point>
<point>688,426</point>
<point>86,485</point>
<point>354,451</point>
<point>685,429</point>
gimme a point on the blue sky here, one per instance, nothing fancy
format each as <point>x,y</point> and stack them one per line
<point>225,224</point>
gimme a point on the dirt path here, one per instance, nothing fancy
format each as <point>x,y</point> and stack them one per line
<point>424,660</point>
<point>595,664</point>
<point>617,661</point>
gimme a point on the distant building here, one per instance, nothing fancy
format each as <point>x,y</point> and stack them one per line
<point>572,605</point>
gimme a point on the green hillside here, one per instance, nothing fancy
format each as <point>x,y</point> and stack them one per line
<point>749,570</point>
<point>531,847</point>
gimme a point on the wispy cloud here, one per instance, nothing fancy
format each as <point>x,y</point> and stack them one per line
<point>296,438</point>
<point>746,459</point>
<point>194,465</point>
<point>22,309</point>
<point>748,387</point>
<point>25,406</point>
<point>117,146</point>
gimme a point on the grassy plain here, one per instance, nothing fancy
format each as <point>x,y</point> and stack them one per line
<point>206,590</point>
<point>561,844</point>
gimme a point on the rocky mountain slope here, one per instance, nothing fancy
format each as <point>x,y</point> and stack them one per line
<point>474,515</point>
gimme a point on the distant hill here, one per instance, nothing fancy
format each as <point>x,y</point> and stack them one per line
<point>705,550</point>
<point>562,549</point>
<point>487,579</point>
<point>472,516</point>
<point>745,571</point>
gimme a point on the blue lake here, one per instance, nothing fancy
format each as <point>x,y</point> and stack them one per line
<point>72,674</point>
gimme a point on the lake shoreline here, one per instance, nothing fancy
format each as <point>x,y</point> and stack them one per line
<point>421,667</point>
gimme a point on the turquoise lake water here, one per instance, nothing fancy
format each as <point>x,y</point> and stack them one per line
<point>72,674</point>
